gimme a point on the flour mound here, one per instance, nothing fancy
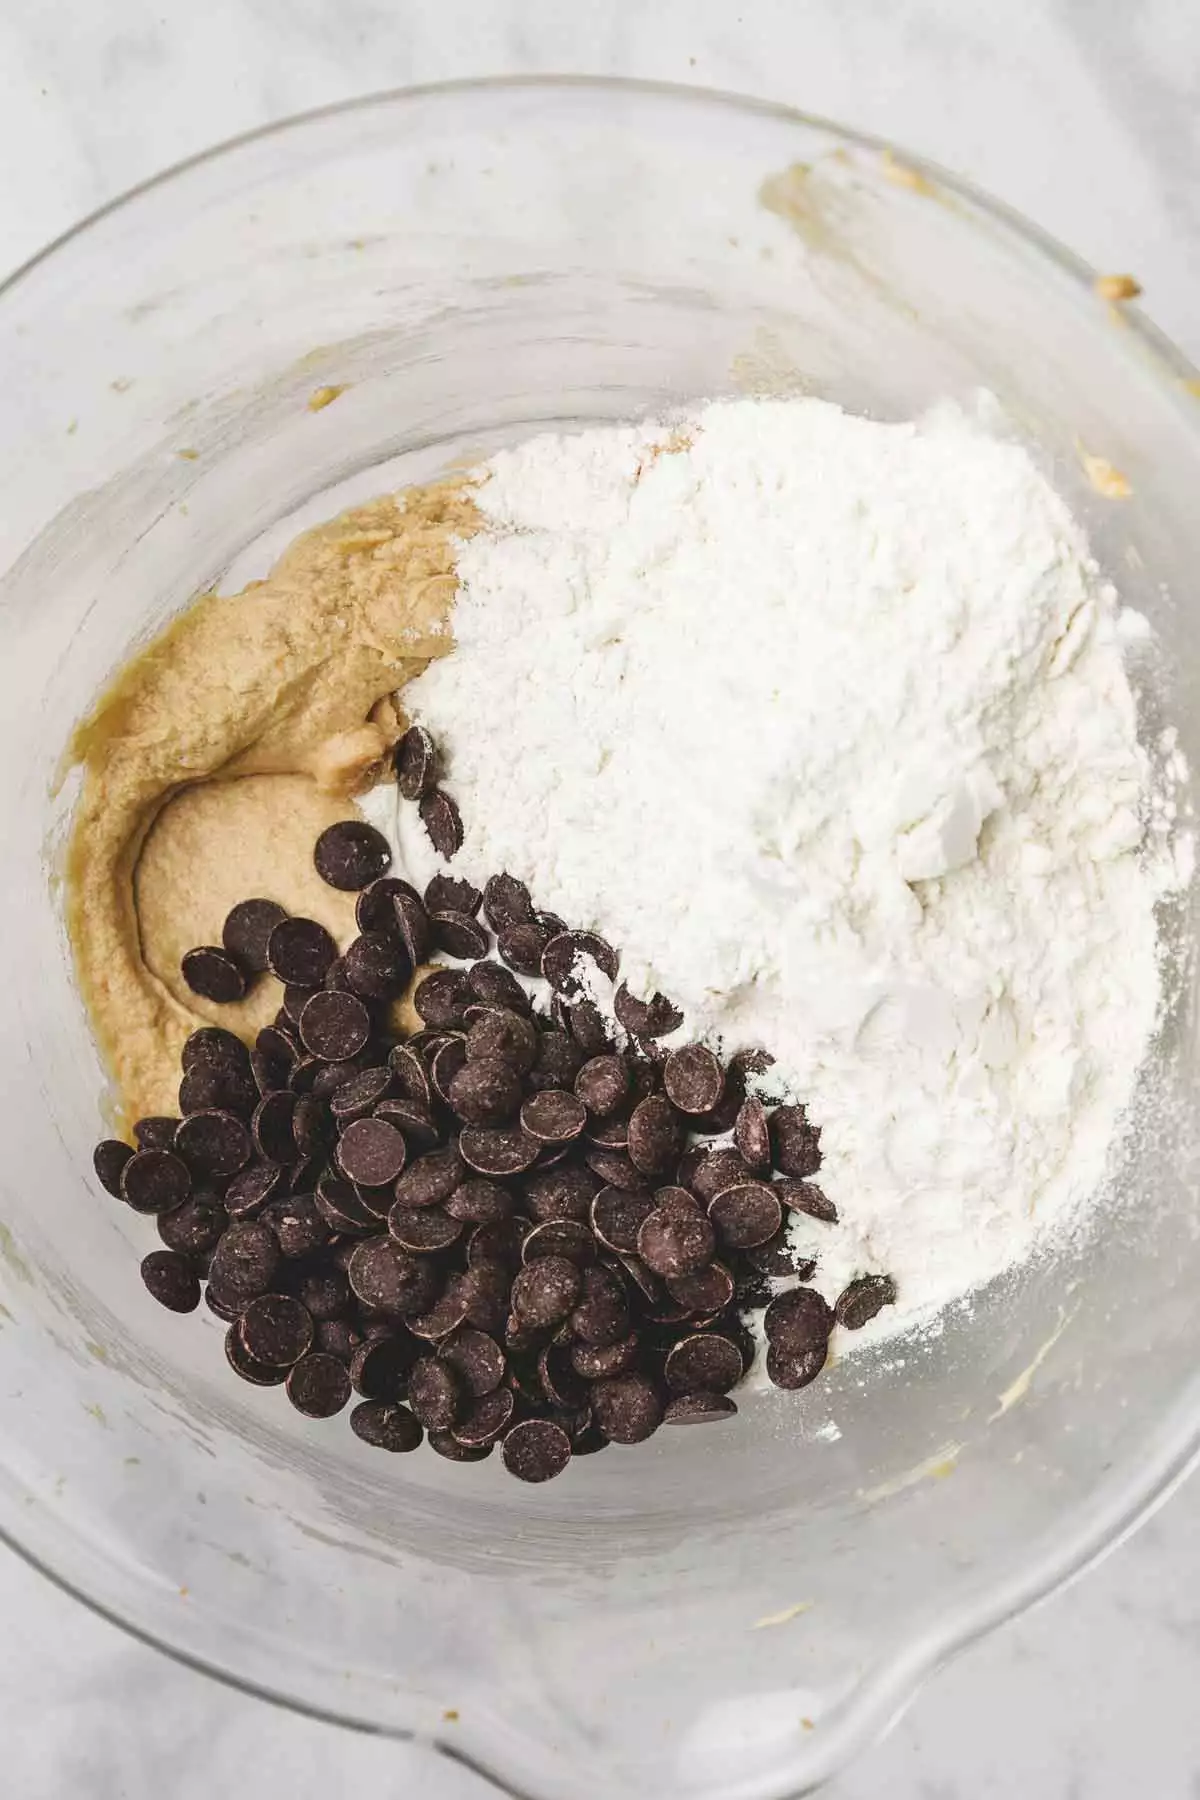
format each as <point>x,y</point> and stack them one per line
<point>825,723</point>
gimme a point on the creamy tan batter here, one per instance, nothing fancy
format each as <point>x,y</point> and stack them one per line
<point>218,755</point>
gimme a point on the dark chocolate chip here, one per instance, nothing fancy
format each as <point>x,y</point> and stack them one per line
<point>746,1215</point>
<point>442,999</point>
<point>521,946</point>
<point>704,1362</point>
<point>458,934</point>
<point>415,762</point>
<point>371,1152</point>
<point>336,1337</point>
<point>693,1079</point>
<point>334,1027</point>
<point>194,1228</point>
<point>716,1170</point>
<point>617,1217</point>
<point>383,1275</point>
<point>674,1242</point>
<point>385,1426</point>
<point>797,1320</point>
<point>699,1409</point>
<point>213,974</point>
<point>154,1181</point>
<point>646,1018</point>
<point>246,931</point>
<point>602,1084</point>
<point>795,1144</point>
<point>214,1047</point>
<point>351,855</point>
<point>546,1291</point>
<point>501,1033</point>
<point>435,1393</point>
<point>108,1160</point>
<point>446,1314</point>
<point>486,1419</point>
<point>536,1450</point>
<point>562,1386</point>
<point>250,1189</point>
<point>432,1178</point>
<point>564,1193</point>
<point>156,1133</point>
<point>312,1127</point>
<point>208,1087</point>
<point>476,1358</point>
<point>805,1197</point>
<point>862,1298</point>
<point>375,908</point>
<point>615,1168</point>
<point>776,1257</point>
<point>214,1143</point>
<point>561,957</point>
<point>413,1119</point>
<point>795,1368</point>
<point>494,985</point>
<point>172,1280</point>
<point>409,1074</point>
<point>343,1209</point>
<point>300,952</point>
<point>376,967</point>
<point>246,1259</point>
<point>379,1368</point>
<point>276,1330</point>
<point>355,1098</point>
<point>560,1237</point>
<point>318,1386</point>
<point>324,1292</point>
<point>497,1151</point>
<point>412,922</point>
<point>602,1314</point>
<point>294,999</point>
<point>423,1229</point>
<point>451,894</point>
<point>704,1294</point>
<point>557,1061</point>
<point>751,1133</point>
<point>586,1024</point>
<point>553,1116</point>
<point>271,1127</point>
<point>243,1364</point>
<point>485,1090</point>
<point>627,1408</point>
<point>506,902</point>
<point>441,819</point>
<point>655,1135</point>
<point>479,1202</point>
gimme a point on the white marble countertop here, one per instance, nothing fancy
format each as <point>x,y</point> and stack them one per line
<point>1084,114</point>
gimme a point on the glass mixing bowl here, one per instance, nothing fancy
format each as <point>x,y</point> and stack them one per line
<point>719,1613</point>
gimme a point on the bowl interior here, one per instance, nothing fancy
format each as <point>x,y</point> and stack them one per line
<point>719,1613</point>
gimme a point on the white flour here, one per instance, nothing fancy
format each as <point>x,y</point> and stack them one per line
<point>825,724</point>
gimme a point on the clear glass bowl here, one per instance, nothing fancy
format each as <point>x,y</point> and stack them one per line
<point>728,1613</point>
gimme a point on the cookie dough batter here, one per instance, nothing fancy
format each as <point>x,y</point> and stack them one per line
<point>218,756</point>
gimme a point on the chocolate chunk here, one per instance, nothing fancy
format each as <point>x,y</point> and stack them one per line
<point>497,1150</point>
<point>693,1079</point>
<point>334,1027</point>
<point>458,934</point>
<point>157,1133</point>
<point>521,946</point>
<point>560,1237</point>
<point>442,999</point>
<point>172,1280</point>
<point>246,931</point>
<point>617,1217</point>
<point>627,1408</point>
<point>108,1160</point>
<point>351,855</point>
<point>705,1362</point>
<point>486,1419</point>
<point>704,1294</point>
<point>862,1298</point>
<point>245,1261</point>
<point>371,1152</point>
<point>602,1084</point>
<point>646,1018</point>
<point>485,1091</point>
<point>673,1242</point>
<point>318,1386</point>
<point>804,1197</point>
<point>213,974</point>
<point>506,902</point>
<point>195,1227</point>
<point>699,1409</point>
<point>602,1314</point>
<point>385,1426</point>
<point>596,1361</point>
<point>553,1116</point>
<point>746,1215</point>
<point>154,1181</point>
<point>795,1368</point>
<point>441,819</point>
<point>545,1291</point>
<point>383,1275</point>
<point>751,1133</point>
<point>563,953</point>
<point>536,1450</point>
<point>655,1135</point>
<point>432,1178</point>
<point>276,1330</point>
<point>797,1320</point>
<point>423,1229</point>
<point>415,762</point>
<point>300,952</point>
<point>795,1144</point>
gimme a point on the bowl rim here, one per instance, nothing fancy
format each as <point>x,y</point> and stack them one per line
<point>887,1689</point>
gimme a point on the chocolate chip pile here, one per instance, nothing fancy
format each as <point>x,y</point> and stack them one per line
<point>499,1228</point>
